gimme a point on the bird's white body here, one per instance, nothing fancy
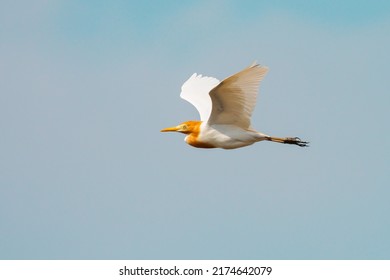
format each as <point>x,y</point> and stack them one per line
<point>227,136</point>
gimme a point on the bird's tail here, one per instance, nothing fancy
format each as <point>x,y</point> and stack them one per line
<point>288,140</point>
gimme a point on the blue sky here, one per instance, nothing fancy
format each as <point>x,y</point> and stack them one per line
<point>87,85</point>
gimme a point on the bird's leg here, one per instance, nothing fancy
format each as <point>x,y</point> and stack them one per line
<point>288,140</point>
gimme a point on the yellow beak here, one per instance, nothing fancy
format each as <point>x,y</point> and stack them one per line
<point>170,129</point>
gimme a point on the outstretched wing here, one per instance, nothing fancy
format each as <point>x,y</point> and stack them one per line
<point>234,99</point>
<point>196,91</point>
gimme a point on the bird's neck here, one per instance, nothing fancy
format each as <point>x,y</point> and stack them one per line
<point>193,138</point>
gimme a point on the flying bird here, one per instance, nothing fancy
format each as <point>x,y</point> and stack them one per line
<point>225,110</point>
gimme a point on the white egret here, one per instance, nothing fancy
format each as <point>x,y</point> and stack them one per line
<point>225,110</point>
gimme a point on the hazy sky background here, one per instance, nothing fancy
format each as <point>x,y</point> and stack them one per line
<point>86,87</point>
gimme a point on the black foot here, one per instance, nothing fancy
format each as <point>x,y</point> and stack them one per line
<point>296,141</point>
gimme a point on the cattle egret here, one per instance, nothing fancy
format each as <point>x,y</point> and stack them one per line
<point>225,110</point>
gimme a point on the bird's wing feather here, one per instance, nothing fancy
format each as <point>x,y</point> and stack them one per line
<point>234,99</point>
<point>196,91</point>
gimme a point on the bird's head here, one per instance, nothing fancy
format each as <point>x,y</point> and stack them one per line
<point>185,127</point>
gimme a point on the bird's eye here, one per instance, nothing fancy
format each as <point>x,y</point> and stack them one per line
<point>184,127</point>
